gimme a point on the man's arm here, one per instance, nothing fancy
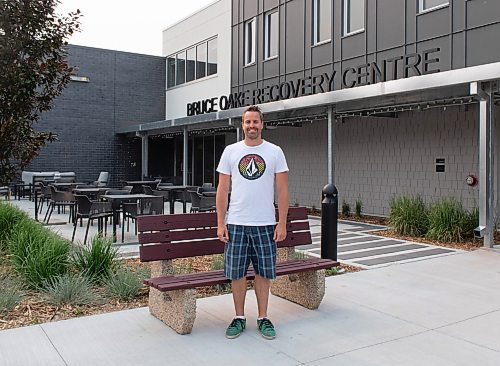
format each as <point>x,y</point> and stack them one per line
<point>282,188</point>
<point>221,204</point>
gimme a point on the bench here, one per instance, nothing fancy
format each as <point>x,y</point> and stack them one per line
<point>172,298</point>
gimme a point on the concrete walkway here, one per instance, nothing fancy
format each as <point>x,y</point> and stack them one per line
<point>437,311</point>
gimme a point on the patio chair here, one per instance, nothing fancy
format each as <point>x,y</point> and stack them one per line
<point>154,192</point>
<point>61,199</point>
<point>145,206</point>
<point>44,196</point>
<point>103,180</point>
<point>200,203</point>
<point>5,191</point>
<point>91,210</point>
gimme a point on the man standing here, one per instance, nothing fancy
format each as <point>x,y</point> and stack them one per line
<point>250,231</point>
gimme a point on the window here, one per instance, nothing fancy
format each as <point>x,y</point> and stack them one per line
<point>196,62</point>
<point>170,71</point>
<point>354,16</point>
<point>201,60</point>
<point>425,5</point>
<point>212,57</point>
<point>322,20</point>
<point>250,42</point>
<point>190,64</point>
<point>180,77</point>
<point>271,29</point>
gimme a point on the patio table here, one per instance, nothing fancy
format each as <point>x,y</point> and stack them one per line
<point>137,184</point>
<point>116,201</point>
<point>175,193</point>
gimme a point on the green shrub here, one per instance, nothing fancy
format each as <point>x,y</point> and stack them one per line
<point>218,262</point>
<point>346,209</point>
<point>449,221</point>
<point>409,216</point>
<point>11,294</point>
<point>96,260</point>
<point>69,289</point>
<point>358,208</point>
<point>125,283</point>
<point>37,253</point>
<point>297,255</point>
<point>9,217</point>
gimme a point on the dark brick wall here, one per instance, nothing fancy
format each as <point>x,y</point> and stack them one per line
<point>124,88</point>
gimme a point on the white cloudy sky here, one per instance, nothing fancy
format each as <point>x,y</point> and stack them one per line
<point>127,25</point>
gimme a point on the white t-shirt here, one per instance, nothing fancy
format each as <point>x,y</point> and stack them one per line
<point>252,170</point>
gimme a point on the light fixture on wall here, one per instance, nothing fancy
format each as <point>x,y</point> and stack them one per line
<point>82,79</point>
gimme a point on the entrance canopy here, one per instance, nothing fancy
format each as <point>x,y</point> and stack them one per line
<point>426,91</point>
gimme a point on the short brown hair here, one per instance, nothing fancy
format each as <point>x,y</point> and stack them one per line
<point>252,108</point>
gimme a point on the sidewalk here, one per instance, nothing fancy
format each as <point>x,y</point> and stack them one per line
<point>437,311</point>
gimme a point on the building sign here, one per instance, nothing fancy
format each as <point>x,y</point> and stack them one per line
<point>412,64</point>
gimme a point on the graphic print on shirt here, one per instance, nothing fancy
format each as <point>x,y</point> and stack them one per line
<point>252,166</point>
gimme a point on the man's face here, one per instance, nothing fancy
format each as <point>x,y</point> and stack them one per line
<point>252,125</point>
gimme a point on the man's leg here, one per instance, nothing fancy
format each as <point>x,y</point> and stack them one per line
<point>262,293</point>
<point>239,288</point>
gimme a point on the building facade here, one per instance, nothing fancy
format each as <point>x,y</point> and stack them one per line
<point>110,90</point>
<point>382,98</point>
<point>322,46</point>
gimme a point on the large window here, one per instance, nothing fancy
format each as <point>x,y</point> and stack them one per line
<point>181,68</point>
<point>201,60</point>
<point>424,5</point>
<point>190,64</point>
<point>354,16</point>
<point>250,42</point>
<point>194,63</point>
<point>212,57</point>
<point>271,35</point>
<point>170,71</point>
<point>322,20</point>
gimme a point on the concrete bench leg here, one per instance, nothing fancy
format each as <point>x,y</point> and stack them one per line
<point>304,288</point>
<point>176,308</point>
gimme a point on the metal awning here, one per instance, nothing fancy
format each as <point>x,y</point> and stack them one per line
<point>444,86</point>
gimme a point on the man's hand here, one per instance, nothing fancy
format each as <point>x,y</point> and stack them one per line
<point>280,232</point>
<point>222,233</point>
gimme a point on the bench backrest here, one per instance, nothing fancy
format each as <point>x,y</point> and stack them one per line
<point>186,235</point>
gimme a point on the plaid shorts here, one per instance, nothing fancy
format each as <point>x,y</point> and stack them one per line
<point>247,244</point>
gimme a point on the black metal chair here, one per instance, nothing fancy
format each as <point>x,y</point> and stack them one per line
<point>201,203</point>
<point>60,199</point>
<point>145,206</point>
<point>155,192</point>
<point>45,195</point>
<point>91,210</point>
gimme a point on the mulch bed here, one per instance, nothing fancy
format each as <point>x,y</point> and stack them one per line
<point>467,245</point>
<point>35,310</point>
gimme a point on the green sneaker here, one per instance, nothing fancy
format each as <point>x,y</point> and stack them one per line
<point>236,327</point>
<point>266,328</point>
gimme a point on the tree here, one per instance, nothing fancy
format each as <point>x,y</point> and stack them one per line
<point>33,72</point>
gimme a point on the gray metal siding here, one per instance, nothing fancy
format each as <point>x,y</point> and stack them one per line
<point>377,161</point>
<point>392,28</point>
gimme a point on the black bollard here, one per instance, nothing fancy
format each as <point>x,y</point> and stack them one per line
<point>329,219</point>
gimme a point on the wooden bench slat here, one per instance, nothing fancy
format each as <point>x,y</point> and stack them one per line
<point>176,221</point>
<point>180,250</point>
<point>168,236</point>
<point>184,221</point>
<point>186,249</point>
<point>200,279</point>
